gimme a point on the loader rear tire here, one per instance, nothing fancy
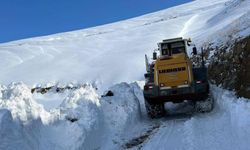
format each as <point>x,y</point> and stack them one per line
<point>204,106</point>
<point>155,110</point>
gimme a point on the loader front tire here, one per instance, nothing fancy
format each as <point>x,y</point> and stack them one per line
<point>155,110</point>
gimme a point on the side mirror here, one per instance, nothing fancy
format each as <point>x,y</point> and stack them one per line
<point>154,55</point>
<point>189,41</point>
<point>146,75</point>
<point>194,50</point>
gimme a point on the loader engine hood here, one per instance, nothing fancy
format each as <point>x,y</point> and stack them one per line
<point>173,73</point>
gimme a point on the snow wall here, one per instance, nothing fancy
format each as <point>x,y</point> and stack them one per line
<point>84,120</point>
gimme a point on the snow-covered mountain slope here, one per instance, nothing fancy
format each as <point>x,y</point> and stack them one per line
<point>115,52</point>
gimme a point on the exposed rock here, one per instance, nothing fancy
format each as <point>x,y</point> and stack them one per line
<point>230,66</point>
<point>109,93</point>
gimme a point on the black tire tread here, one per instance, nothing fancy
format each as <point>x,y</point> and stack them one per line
<point>155,110</point>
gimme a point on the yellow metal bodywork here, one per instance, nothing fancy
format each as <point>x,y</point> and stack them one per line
<point>173,71</point>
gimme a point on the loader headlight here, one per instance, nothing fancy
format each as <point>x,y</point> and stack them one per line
<point>148,87</point>
<point>161,85</point>
<point>198,81</point>
<point>185,82</point>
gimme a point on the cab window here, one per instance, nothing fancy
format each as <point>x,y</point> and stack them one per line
<point>165,49</point>
<point>165,52</point>
<point>178,47</point>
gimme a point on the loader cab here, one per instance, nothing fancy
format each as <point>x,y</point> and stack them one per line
<point>172,47</point>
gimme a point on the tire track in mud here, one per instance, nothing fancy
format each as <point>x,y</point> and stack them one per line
<point>170,129</point>
<point>138,141</point>
<point>160,131</point>
<point>166,125</point>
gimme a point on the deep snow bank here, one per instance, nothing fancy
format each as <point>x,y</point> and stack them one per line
<point>20,118</point>
<point>84,120</point>
<point>227,127</point>
<point>11,133</point>
<point>238,110</point>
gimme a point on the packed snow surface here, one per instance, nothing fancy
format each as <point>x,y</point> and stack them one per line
<point>86,117</point>
<point>227,127</point>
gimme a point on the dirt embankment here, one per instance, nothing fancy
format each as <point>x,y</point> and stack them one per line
<point>230,66</point>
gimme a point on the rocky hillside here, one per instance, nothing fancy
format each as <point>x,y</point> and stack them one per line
<point>230,66</point>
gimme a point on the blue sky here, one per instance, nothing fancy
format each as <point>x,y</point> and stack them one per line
<point>28,18</point>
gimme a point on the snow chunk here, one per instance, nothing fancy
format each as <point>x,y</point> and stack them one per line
<point>18,99</point>
<point>2,88</point>
<point>82,102</point>
<point>84,120</point>
<point>122,109</point>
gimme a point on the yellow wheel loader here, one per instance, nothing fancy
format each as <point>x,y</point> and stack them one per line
<point>171,77</point>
